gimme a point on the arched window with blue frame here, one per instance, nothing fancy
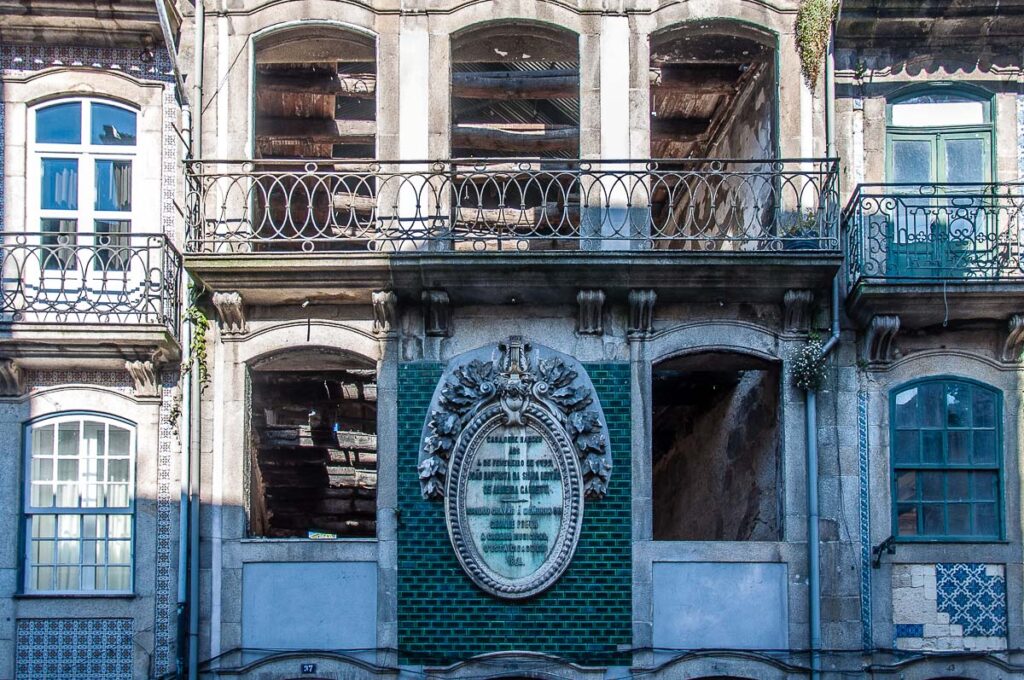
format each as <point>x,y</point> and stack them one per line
<point>945,448</point>
<point>939,165</point>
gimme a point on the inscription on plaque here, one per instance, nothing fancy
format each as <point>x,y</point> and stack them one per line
<point>514,500</point>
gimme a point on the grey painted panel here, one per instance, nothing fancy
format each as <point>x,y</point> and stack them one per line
<point>310,605</point>
<point>720,605</point>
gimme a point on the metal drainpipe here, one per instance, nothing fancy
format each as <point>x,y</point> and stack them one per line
<point>811,406</point>
<point>194,405</point>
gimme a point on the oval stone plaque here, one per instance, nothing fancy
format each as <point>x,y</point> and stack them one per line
<point>514,502</point>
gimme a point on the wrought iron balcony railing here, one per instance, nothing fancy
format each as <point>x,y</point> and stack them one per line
<point>70,278</point>
<point>922,232</point>
<point>271,206</point>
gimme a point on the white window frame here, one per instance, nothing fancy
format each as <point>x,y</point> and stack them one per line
<point>85,246</point>
<point>29,511</point>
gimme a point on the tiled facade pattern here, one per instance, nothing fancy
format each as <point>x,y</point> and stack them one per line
<point>166,545</point>
<point>864,467</point>
<point>949,606</point>
<point>74,649</point>
<point>442,617</point>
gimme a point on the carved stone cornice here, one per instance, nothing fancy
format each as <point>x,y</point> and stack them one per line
<point>796,307</point>
<point>1013,346</point>
<point>12,379</point>
<point>879,344</point>
<point>385,311</point>
<point>437,314</point>
<point>641,313</point>
<point>231,312</point>
<point>591,312</point>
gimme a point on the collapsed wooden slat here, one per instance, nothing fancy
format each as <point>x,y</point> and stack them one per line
<point>545,215</point>
<point>360,85</point>
<point>315,130</point>
<point>507,85</point>
<point>529,137</point>
<point>695,78</point>
<point>678,129</point>
<point>356,202</point>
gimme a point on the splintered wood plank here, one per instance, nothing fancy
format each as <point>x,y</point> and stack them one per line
<point>315,130</point>
<point>695,78</point>
<point>358,85</point>
<point>527,137</point>
<point>509,85</point>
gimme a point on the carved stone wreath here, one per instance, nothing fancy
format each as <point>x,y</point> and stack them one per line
<point>514,374</point>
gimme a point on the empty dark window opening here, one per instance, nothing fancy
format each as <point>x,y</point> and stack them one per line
<point>313,452</point>
<point>716,449</point>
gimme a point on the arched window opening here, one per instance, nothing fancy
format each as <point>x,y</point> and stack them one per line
<point>313,446</point>
<point>945,450</point>
<point>316,94</point>
<point>716,449</point>
<point>82,187</point>
<point>713,92</point>
<point>79,500</point>
<point>515,91</point>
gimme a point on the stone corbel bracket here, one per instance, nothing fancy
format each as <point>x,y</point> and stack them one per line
<point>879,342</point>
<point>145,375</point>
<point>12,379</point>
<point>796,307</point>
<point>641,313</point>
<point>385,311</point>
<point>437,314</point>
<point>1013,346</point>
<point>591,312</point>
<point>231,312</point>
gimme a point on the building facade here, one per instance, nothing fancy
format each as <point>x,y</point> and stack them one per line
<point>511,339</point>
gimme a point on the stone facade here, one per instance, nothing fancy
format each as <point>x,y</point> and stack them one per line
<point>699,560</point>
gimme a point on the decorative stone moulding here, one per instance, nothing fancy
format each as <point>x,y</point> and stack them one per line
<point>385,311</point>
<point>591,314</point>
<point>12,379</point>
<point>437,314</point>
<point>880,339</point>
<point>1013,346</point>
<point>796,305</point>
<point>231,311</point>
<point>641,312</point>
<point>146,377</point>
<point>515,440</point>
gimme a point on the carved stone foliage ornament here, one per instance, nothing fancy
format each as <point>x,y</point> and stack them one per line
<point>514,441</point>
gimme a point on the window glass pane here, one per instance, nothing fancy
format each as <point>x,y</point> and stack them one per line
<point>67,495</point>
<point>67,578</point>
<point>42,496</point>
<point>67,470</point>
<point>912,161</point>
<point>67,552</point>
<point>42,578</point>
<point>960,447</point>
<point>117,470</point>
<point>42,469</point>
<point>117,496</point>
<point>113,185</point>
<point>59,124</point>
<point>67,439</point>
<point>59,240</point>
<point>112,251</point>
<point>906,486</point>
<point>906,519</point>
<point>958,487</point>
<point>932,486</point>
<point>906,408</point>
<point>94,435</point>
<point>44,526</point>
<point>985,520</point>
<point>906,448</point>
<point>68,526</point>
<point>59,189</point>
<point>931,446</point>
<point>958,405</point>
<point>119,440</point>
<point>933,519</point>
<point>42,440</point>
<point>984,447</point>
<point>986,486</point>
<point>965,160</point>
<point>918,113</point>
<point>118,578</point>
<point>120,526</point>
<point>959,519</point>
<point>112,125</point>
<point>933,409</point>
<point>984,407</point>
<point>119,552</point>
<point>44,552</point>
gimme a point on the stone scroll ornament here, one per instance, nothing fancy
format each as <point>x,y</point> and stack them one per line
<point>514,441</point>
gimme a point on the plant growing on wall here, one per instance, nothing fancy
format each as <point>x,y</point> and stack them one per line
<point>808,365</point>
<point>813,25</point>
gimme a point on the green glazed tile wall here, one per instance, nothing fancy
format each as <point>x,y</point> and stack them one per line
<point>443,617</point>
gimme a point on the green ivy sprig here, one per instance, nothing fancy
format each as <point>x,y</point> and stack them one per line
<point>813,25</point>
